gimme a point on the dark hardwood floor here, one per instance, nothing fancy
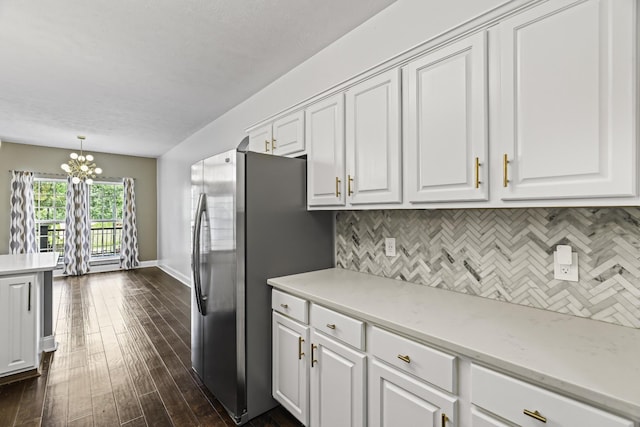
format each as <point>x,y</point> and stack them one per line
<point>123,359</point>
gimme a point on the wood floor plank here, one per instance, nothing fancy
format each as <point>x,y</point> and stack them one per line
<point>138,422</point>
<point>79,393</point>
<point>99,377</point>
<point>82,422</point>
<point>104,410</point>
<point>154,411</point>
<point>55,411</point>
<point>35,422</point>
<point>10,395</point>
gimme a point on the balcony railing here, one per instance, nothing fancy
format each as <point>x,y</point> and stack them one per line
<point>106,238</point>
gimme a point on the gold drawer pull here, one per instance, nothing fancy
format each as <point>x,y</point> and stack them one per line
<point>349,181</point>
<point>331,325</point>
<point>505,174</point>
<point>313,357</point>
<point>273,144</point>
<point>284,305</point>
<point>478,182</point>
<point>444,419</point>
<point>300,353</point>
<point>266,146</point>
<point>337,187</point>
<point>404,358</point>
<point>536,415</point>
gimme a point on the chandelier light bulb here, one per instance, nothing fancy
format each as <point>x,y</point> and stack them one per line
<point>81,158</point>
<point>84,168</point>
<point>89,157</point>
<point>65,167</point>
<point>75,180</point>
<point>98,171</point>
<point>73,156</point>
<point>89,181</point>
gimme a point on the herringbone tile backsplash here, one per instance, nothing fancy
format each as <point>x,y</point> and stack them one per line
<point>506,254</point>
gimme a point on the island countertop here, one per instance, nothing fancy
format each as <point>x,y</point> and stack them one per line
<point>595,361</point>
<point>27,263</point>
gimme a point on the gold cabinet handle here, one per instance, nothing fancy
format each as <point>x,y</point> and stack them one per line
<point>313,357</point>
<point>505,175</point>
<point>404,358</point>
<point>300,352</point>
<point>535,414</point>
<point>284,305</point>
<point>349,181</point>
<point>266,146</point>
<point>337,187</point>
<point>477,169</point>
<point>444,419</point>
<point>273,144</point>
<point>331,325</point>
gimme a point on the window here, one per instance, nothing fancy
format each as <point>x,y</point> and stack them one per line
<point>106,202</point>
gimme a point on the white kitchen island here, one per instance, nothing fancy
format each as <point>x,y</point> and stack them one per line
<point>25,310</point>
<point>549,359</point>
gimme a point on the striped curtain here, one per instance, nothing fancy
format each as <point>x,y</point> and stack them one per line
<point>129,244</point>
<point>22,230</point>
<point>77,233</point>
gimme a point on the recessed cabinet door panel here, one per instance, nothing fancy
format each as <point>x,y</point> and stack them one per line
<point>373,140</point>
<point>480,419</point>
<point>324,132</point>
<point>19,305</point>
<point>290,366</point>
<point>398,399</point>
<point>337,384</point>
<point>260,139</point>
<point>447,123</point>
<point>288,134</point>
<point>568,100</point>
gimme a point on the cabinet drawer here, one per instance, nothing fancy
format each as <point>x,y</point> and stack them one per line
<point>431,365</point>
<point>510,398</point>
<point>293,307</point>
<point>339,326</point>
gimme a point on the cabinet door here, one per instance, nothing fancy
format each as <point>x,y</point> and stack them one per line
<point>260,139</point>
<point>337,384</point>
<point>446,123</point>
<point>288,134</point>
<point>568,100</point>
<point>397,399</point>
<point>290,366</point>
<point>18,308</point>
<point>373,140</point>
<point>324,133</point>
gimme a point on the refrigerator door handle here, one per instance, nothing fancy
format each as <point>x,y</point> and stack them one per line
<point>195,251</point>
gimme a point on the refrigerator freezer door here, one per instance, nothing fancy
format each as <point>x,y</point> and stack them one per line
<point>219,293</point>
<point>197,177</point>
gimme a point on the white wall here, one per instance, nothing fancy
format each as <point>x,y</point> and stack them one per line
<point>397,28</point>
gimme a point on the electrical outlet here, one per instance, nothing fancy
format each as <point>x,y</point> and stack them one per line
<point>566,272</point>
<point>390,246</point>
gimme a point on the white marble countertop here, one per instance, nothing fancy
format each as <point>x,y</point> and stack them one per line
<point>591,360</point>
<point>27,263</point>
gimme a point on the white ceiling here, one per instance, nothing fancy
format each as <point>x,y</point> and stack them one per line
<point>138,77</point>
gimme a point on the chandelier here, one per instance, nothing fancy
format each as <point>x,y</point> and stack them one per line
<point>81,167</point>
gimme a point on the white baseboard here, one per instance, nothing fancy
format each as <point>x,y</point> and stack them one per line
<point>48,343</point>
<point>103,268</point>
<point>185,280</point>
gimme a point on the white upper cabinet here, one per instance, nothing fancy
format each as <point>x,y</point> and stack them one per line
<point>288,134</point>
<point>282,137</point>
<point>567,101</point>
<point>260,139</point>
<point>373,140</point>
<point>324,132</point>
<point>446,123</point>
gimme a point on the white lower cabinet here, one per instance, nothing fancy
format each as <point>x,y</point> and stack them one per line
<point>399,399</point>
<point>337,384</point>
<point>529,406</point>
<point>290,384</point>
<point>18,332</point>
<point>480,419</point>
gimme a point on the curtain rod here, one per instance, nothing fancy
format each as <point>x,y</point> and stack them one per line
<point>64,175</point>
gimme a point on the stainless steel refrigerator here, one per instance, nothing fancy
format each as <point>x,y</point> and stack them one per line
<point>249,223</point>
